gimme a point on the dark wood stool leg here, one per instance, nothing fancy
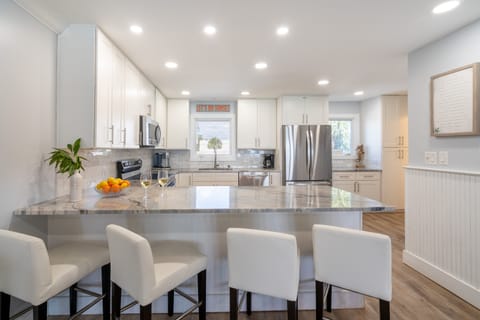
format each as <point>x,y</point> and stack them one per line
<point>384,310</point>
<point>4,306</point>
<point>233,304</point>
<point>73,299</point>
<point>292,310</point>
<point>146,312</point>
<point>329,299</point>
<point>106,291</point>
<point>202,294</point>
<point>171,295</point>
<point>319,300</point>
<point>116,301</point>
<point>40,312</point>
<point>249,303</point>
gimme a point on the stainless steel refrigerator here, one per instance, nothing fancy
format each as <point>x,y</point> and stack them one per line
<point>307,154</point>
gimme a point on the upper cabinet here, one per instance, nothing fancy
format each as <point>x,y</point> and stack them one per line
<point>178,118</point>
<point>395,121</point>
<point>256,121</point>
<point>100,93</point>
<point>304,109</point>
<point>161,116</point>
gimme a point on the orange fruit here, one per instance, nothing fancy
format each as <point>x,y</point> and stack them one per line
<point>115,188</point>
<point>106,189</point>
<point>123,185</point>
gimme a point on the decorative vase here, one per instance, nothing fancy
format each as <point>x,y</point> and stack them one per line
<point>76,187</point>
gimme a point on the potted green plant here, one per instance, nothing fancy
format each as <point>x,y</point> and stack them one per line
<point>69,161</point>
<point>214,143</point>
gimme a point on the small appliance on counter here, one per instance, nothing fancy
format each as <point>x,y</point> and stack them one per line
<point>129,169</point>
<point>161,160</point>
<point>268,161</point>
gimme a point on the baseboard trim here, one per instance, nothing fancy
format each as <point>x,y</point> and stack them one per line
<point>445,279</point>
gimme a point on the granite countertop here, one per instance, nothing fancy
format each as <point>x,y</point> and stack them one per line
<point>288,199</point>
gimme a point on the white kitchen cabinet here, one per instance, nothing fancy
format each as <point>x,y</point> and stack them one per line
<point>395,121</point>
<point>393,178</point>
<point>256,124</point>
<point>97,91</point>
<point>304,109</point>
<point>275,178</point>
<point>178,118</point>
<point>161,116</point>
<point>365,183</point>
<point>183,179</point>
<point>215,179</point>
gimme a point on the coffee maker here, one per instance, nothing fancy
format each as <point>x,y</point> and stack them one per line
<point>161,160</point>
<point>268,161</point>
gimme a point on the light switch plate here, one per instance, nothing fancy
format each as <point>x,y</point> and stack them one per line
<point>443,158</point>
<point>431,157</point>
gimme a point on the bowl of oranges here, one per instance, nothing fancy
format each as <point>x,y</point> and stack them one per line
<point>112,186</point>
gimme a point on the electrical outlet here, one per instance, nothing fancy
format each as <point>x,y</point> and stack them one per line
<point>431,157</point>
<point>443,158</point>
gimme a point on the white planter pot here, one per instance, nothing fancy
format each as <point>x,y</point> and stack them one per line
<point>76,187</point>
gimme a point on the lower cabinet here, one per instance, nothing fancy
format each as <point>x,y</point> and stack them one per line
<point>275,179</point>
<point>365,183</point>
<point>215,179</point>
<point>183,179</point>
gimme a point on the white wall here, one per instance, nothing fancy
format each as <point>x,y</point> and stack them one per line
<point>341,107</point>
<point>460,48</point>
<point>27,109</point>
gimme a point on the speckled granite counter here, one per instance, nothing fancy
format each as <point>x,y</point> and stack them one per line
<point>288,199</point>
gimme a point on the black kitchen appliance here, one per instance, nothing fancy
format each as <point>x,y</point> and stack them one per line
<point>129,169</point>
<point>161,160</point>
<point>268,161</point>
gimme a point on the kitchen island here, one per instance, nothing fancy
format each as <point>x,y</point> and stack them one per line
<point>202,215</point>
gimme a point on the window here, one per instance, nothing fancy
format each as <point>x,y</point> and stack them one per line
<point>345,135</point>
<point>207,125</point>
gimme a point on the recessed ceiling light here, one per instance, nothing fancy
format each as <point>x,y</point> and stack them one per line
<point>358,93</point>
<point>261,65</point>
<point>171,65</point>
<point>136,29</point>
<point>245,93</point>
<point>446,6</point>
<point>323,82</point>
<point>210,30</point>
<point>185,93</point>
<point>282,31</point>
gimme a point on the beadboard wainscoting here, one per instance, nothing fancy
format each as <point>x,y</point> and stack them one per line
<point>442,228</point>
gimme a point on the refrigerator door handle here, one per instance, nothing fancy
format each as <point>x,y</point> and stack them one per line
<point>309,153</point>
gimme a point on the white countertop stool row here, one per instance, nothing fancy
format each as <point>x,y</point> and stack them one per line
<point>268,263</point>
<point>30,272</point>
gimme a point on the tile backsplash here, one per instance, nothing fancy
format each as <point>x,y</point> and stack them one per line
<point>244,159</point>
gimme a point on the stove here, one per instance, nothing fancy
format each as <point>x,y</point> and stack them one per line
<point>129,169</point>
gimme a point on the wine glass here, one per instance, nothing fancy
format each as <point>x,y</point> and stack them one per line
<point>146,181</point>
<point>162,178</point>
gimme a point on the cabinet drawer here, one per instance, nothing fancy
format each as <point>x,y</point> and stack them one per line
<point>215,177</point>
<point>338,176</point>
<point>365,176</point>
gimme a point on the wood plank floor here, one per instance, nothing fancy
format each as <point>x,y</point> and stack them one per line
<point>414,296</point>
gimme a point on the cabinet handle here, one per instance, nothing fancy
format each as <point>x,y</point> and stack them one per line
<point>149,110</point>
<point>124,136</point>
<point>403,154</point>
<point>368,176</point>
<point>306,116</point>
<point>111,140</point>
<point>259,143</point>
<point>358,186</point>
<point>403,140</point>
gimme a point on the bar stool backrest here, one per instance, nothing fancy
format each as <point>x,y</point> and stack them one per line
<point>131,262</point>
<point>25,270</point>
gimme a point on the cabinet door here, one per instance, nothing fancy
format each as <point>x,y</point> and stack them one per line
<point>147,96</point>
<point>369,189</point>
<point>345,185</point>
<point>247,124</point>
<point>393,185</point>
<point>293,109</point>
<point>132,106</point>
<point>118,98</point>
<point>104,130</point>
<point>266,124</point>
<point>316,110</point>
<point>394,118</point>
<point>178,116</point>
<point>183,179</point>
<point>403,118</point>
<point>275,179</point>
<point>161,117</point>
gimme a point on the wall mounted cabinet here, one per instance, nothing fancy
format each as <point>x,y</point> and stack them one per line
<point>304,109</point>
<point>161,116</point>
<point>256,124</point>
<point>178,117</point>
<point>100,93</point>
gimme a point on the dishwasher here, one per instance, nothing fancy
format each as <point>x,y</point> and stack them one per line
<point>254,178</point>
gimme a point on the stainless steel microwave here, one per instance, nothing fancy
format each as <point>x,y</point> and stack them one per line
<point>150,132</point>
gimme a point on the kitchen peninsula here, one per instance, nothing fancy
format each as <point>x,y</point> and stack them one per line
<point>202,215</point>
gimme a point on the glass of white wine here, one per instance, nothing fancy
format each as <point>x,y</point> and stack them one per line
<point>162,178</point>
<point>146,181</point>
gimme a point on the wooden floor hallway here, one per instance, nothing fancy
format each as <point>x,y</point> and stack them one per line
<point>414,296</point>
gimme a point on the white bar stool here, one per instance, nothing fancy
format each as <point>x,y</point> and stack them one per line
<point>146,273</point>
<point>263,262</point>
<point>31,273</point>
<point>355,260</point>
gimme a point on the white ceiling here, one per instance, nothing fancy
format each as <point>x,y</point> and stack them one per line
<point>356,44</point>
